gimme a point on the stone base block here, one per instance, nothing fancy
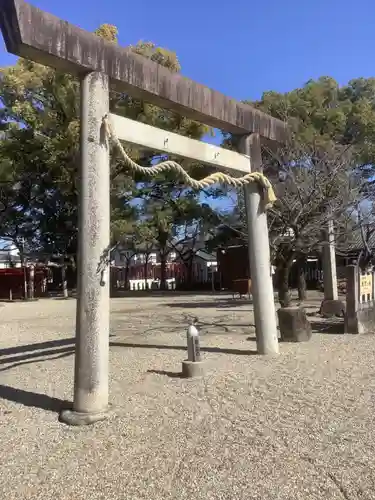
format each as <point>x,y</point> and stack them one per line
<point>330,308</point>
<point>363,321</point>
<point>76,418</point>
<point>193,369</point>
<point>294,325</point>
<point>351,325</point>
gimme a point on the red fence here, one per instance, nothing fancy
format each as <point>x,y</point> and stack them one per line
<point>12,282</point>
<point>200,278</point>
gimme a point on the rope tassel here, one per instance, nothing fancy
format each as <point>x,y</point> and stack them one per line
<point>268,194</point>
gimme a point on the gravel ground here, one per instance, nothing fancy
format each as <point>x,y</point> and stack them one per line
<point>298,426</point>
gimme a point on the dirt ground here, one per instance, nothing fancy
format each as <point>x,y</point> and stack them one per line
<point>297,426</point>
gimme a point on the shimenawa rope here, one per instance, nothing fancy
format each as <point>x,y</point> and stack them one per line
<point>218,177</point>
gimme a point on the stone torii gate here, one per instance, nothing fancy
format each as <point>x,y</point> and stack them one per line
<point>46,39</point>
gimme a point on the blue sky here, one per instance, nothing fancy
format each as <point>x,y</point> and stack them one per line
<point>245,47</point>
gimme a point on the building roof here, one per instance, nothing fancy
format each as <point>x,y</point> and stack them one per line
<point>6,256</point>
<point>203,254</point>
<point>355,242</point>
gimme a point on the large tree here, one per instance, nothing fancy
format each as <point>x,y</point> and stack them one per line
<point>314,185</point>
<point>327,123</point>
<point>39,154</point>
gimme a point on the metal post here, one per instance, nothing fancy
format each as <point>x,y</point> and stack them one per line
<point>194,353</point>
<point>92,327</point>
<point>259,255</point>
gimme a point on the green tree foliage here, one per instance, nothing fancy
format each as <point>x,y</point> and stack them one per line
<point>322,111</point>
<point>39,155</point>
<point>108,32</point>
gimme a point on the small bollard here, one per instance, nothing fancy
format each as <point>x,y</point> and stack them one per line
<point>193,366</point>
<point>194,352</point>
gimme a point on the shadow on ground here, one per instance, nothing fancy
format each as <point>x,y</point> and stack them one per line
<point>205,328</point>
<point>33,353</point>
<point>166,373</point>
<point>55,349</point>
<point>335,327</point>
<point>182,348</point>
<point>36,347</point>
<point>33,399</point>
<point>218,304</point>
<point>46,351</point>
<point>157,294</point>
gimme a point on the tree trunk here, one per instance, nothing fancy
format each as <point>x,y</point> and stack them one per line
<point>31,282</point>
<point>126,280</point>
<point>23,265</point>
<point>283,285</point>
<point>190,274</point>
<point>64,282</point>
<point>301,279</point>
<point>145,267</point>
<point>163,271</point>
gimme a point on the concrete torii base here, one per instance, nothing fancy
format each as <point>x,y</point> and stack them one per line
<point>76,418</point>
<point>192,369</point>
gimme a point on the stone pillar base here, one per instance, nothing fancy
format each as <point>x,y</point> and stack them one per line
<point>76,418</point>
<point>193,369</point>
<point>294,325</point>
<point>330,308</point>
